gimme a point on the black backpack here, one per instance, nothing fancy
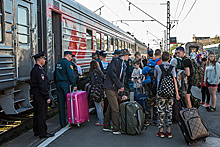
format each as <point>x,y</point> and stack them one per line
<point>166,86</point>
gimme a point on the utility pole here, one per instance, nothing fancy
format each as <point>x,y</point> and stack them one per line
<point>168,26</point>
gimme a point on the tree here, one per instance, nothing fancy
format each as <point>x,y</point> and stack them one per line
<point>175,46</point>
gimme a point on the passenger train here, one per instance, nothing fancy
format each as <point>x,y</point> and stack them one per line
<point>54,26</point>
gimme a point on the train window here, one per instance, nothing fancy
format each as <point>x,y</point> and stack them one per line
<point>1,21</point>
<point>112,44</point>
<point>126,45</point>
<point>116,44</point>
<point>105,42</point>
<point>98,41</point>
<point>120,42</point>
<point>23,25</point>
<point>89,39</point>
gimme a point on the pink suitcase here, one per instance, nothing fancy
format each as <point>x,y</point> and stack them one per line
<point>77,107</point>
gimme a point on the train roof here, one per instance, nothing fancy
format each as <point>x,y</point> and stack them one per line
<point>88,12</point>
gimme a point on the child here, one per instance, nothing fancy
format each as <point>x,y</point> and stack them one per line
<point>205,90</point>
<point>164,104</point>
<point>97,77</point>
<point>136,76</point>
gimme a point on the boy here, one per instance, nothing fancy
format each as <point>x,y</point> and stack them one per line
<point>164,104</point>
<point>136,76</point>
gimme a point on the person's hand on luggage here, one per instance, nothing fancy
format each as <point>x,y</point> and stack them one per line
<point>74,88</point>
<point>122,89</point>
<point>139,81</point>
<point>177,97</point>
<point>124,97</point>
<point>48,101</point>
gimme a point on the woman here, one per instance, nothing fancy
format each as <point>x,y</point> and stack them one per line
<point>97,79</point>
<point>205,90</point>
<point>212,79</point>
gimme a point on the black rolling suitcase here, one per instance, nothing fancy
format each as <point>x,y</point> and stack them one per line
<point>191,125</point>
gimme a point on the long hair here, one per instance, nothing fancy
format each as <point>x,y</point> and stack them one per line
<point>94,66</point>
<point>212,62</point>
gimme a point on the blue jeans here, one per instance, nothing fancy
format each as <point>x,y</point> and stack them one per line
<point>137,91</point>
<point>99,111</point>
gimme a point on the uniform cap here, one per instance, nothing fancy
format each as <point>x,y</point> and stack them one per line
<point>97,52</point>
<point>116,52</point>
<point>68,52</point>
<point>93,54</point>
<point>102,53</point>
<point>41,54</point>
<point>124,52</point>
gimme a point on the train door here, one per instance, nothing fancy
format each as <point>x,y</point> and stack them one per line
<point>23,39</point>
<point>57,40</point>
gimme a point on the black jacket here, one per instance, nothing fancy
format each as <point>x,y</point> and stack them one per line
<point>99,76</point>
<point>113,81</point>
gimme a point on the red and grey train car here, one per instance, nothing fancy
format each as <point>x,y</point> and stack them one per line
<point>54,26</point>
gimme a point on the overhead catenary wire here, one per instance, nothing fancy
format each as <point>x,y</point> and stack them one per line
<point>177,8</point>
<point>189,11</point>
<point>110,9</point>
<point>181,9</point>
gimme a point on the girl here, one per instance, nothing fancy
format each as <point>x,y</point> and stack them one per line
<point>212,78</point>
<point>97,77</point>
<point>205,90</point>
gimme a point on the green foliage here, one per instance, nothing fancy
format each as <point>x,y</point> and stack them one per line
<point>174,47</point>
<point>217,39</point>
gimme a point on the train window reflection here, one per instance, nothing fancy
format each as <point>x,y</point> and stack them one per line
<point>98,41</point>
<point>23,25</point>
<point>89,39</point>
<point>112,44</point>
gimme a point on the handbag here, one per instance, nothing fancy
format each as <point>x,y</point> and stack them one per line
<point>97,91</point>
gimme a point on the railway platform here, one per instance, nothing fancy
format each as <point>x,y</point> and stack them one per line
<point>90,135</point>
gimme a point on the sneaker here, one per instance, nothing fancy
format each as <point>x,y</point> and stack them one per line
<point>206,105</point>
<point>211,109</point>
<point>117,133</point>
<point>202,103</point>
<point>99,123</point>
<point>106,130</point>
<point>169,135</point>
<point>160,134</point>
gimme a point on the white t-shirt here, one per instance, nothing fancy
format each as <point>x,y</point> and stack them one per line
<point>136,73</point>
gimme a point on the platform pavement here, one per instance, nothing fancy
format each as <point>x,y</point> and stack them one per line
<point>90,135</point>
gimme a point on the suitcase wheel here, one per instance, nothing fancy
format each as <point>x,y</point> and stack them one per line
<point>204,140</point>
<point>88,120</point>
<point>78,125</point>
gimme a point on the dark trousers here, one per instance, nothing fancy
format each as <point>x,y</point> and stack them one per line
<point>112,113</point>
<point>205,91</point>
<point>40,115</point>
<point>62,90</point>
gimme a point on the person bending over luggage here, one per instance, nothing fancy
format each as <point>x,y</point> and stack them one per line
<point>113,83</point>
<point>166,87</point>
<point>136,76</point>
<point>212,79</point>
<point>97,91</point>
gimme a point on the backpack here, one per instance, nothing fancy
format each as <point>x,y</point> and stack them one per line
<point>197,72</point>
<point>132,118</point>
<point>97,91</point>
<point>179,63</point>
<point>166,86</point>
<point>153,84</point>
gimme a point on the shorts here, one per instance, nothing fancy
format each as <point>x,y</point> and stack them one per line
<point>212,85</point>
<point>189,89</point>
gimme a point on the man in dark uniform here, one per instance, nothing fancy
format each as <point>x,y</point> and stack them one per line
<point>128,72</point>
<point>64,78</point>
<point>40,90</point>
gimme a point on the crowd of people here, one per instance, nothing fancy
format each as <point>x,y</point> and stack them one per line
<point>155,75</point>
